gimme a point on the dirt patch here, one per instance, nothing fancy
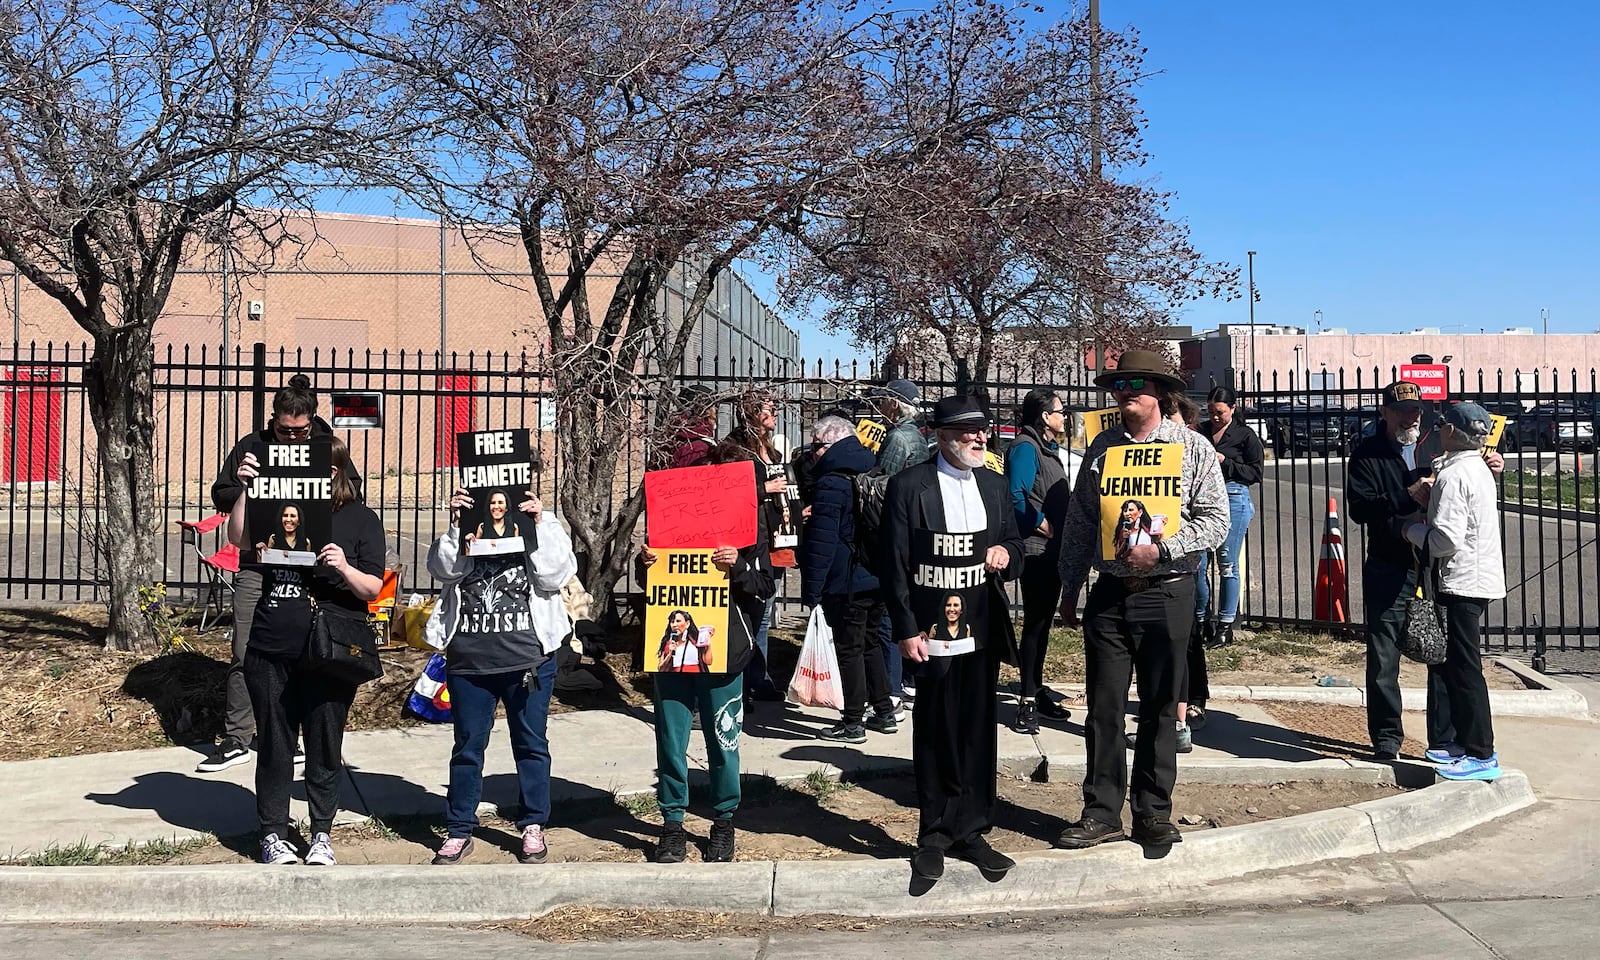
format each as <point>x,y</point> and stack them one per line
<point>574,924</point>
<point>816,819</point>
<point>1334,730</point>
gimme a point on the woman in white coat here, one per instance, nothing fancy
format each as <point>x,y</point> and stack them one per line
<point>1461,543</point>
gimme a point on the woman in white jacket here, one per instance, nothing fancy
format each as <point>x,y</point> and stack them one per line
<point>1461,542</point>
<point>500,620</point>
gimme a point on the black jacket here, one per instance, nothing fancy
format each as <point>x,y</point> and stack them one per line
<point>225,491</point>
<point>828,565</point>
<point>913,501</point>
<point>1243,454</point>
<point>1376,497</point>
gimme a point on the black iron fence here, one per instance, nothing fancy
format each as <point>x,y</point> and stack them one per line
<point>207,399</point>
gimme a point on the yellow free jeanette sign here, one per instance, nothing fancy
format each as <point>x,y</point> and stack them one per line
<point>1141,496</point>
<point>871,433</point>
<point>686,614</point>
<point>1097,421</point>
<point>1497,430</point>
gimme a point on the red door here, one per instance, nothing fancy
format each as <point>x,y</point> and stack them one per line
<point>453,411</point>
<point>31,449</point>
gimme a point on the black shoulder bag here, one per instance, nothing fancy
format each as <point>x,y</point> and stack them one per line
<point>343,644</point>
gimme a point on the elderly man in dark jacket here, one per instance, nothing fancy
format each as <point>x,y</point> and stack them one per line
<point>832,574</point>
<point>949,538</point>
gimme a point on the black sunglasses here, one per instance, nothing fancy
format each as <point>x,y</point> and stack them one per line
<point>1128,383</point>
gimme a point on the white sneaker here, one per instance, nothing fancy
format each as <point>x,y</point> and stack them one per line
<point>321,852</point>
<point>277,851</point>
<point>899,709</point>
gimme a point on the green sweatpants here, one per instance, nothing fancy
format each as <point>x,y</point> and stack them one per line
<point>719,698</point>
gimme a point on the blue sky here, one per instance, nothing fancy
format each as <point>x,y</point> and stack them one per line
<point>1419,163</point>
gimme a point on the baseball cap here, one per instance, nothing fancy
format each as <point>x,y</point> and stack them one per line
<point>1469,417</point>
<point>1402,395</point>
<point>903,390</point>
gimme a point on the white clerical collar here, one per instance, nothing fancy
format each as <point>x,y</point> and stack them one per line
<point>951,470</point>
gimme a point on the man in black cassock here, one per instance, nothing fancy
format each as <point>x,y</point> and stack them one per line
<point>948,528</point>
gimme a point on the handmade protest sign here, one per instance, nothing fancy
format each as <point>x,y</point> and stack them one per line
<point>871,433</point>
<point>497,472</point>
<point>949,589</point>
<point>701,507</point>
<point>686,614</point>
<point>1141,496</point>
<point>1497,430</point>
<point>289,508</point>
<point>1096,421</point>
<point>993,462</point>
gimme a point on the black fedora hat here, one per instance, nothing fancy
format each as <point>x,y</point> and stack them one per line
<point>1142,363</point>
<point>958,411</point>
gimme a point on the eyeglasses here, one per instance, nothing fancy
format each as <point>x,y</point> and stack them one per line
<point>1128,383</point>
<point>292,433</point>
<point>1056,412</point>
<point>820,445</point>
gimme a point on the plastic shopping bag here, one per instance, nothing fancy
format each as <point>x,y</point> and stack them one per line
<point>430,698</point>
<point>816,677</point>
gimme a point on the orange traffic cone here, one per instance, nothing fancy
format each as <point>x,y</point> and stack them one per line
<point>1331,598</point>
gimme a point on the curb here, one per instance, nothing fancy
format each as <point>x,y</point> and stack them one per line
<point>1111,875</point>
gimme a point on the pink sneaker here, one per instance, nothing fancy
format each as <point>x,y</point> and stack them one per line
<point>533,845</point>
<point>455,850</point>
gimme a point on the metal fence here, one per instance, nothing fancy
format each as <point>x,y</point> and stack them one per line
<point>206,399</point>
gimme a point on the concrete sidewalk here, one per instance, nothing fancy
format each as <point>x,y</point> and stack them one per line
<point>145,795</point>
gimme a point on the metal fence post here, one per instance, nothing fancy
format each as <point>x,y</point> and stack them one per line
<point>258,386</point>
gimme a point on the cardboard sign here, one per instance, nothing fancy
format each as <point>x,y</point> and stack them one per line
<point>701,507</point>
<point>357,411</point>
<point>686,614</point>
<point>497,471</point>
<point>1141,496</point>
<point>1497,431</point>
<point>871,434</point>
<point>1433,379</point>
<point>1096,421</point>
<point>289,511</point>
<point>950,589</point>
<point>993,462</point>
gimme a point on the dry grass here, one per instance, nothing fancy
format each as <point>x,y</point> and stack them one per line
<point>573,924</point>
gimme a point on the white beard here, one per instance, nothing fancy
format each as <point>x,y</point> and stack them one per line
<point>956,452</point>
<point>1408,436</point>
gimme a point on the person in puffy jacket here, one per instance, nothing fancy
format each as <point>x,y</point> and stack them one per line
<point>500,619</point>
<point>1460,541</point>
<point>832,574</point>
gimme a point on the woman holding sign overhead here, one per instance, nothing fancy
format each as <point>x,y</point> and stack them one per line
<point>286,691</point>
<point>499,619</point>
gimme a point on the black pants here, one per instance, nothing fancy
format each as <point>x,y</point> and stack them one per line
<point>1041,597</point>
<point>1460,679</point>
<point>1196,688</point>
<point>1125,634</point>
<point>953,748</point>
<point>856,622</point>
<point>1385,587</point>
<point>288,697</point>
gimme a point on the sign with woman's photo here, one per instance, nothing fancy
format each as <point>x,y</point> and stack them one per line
<point>497,472</point>
<point>949,589</point>
<point>686,614</point>
<point>1141,496</point>
<point>289,508</point>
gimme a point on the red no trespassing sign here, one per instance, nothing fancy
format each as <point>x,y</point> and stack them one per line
<point>1432,378</point>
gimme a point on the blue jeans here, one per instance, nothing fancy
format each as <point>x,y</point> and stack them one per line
<point>472,703</point>
<point>756,674</point>
<point>891,657</point>
<point>1241,510</point>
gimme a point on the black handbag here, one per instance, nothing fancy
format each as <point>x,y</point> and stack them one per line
<point>343,645</point>
<point>1423,638</point>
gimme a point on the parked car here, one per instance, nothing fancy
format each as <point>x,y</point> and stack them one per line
<point>1551,426</point>
<point>1300,430</point>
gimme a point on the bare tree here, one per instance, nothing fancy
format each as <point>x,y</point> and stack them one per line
<point>626,139</point>
<point>1014,208</point>
<point>131,130</point>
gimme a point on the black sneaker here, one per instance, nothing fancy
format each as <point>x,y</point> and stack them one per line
<point>928,863</point>
<point>882,723</point>
<point>721,847</point>
<point>229,753</point>
<point>845,733</point>
<point>977,852</point>
<point>671,848</point>
<point>1088,832</point>
<point>1050,708</point>
<point>1027,720</point>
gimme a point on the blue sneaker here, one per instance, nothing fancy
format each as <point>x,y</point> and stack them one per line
<point>1471,768</point>
<point>1448,752</point>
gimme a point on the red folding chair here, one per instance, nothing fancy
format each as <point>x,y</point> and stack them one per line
<point>218,566</point>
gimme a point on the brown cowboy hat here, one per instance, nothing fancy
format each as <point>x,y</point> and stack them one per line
<point>1142,363</point>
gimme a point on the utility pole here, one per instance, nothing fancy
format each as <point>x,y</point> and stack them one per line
<point>1094,164</point>
<point>1250,256</point>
